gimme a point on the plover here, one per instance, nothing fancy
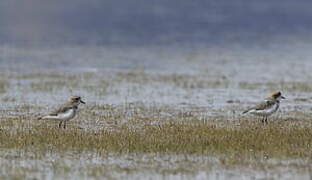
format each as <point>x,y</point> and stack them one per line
<point>66,111</point>
<point>267,107</point>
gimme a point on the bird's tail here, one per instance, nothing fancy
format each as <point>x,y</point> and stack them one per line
<point>39,117</point>
<point>246,111</point>
<point>47,117</point>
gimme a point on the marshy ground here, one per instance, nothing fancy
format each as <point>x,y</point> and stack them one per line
<point>155,113</point>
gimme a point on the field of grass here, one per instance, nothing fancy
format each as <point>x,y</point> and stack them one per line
<point>191,146</point>
<point>250,141</point>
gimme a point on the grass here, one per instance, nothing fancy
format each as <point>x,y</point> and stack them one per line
<point>248,141</point>
<point>286,86</point>
<point>184,81</point>
<point>4,84</point>
<point>131,130</point>
<point>134,129</point>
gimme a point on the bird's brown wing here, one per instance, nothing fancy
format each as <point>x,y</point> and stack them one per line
<point>261,106</point>
<point>61,109</point>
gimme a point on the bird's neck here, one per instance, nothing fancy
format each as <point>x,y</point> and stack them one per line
<point>277,101</point>
<point>273,99</point>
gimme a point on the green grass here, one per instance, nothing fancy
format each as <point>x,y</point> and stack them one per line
<point>135,128</point>
<point>179,80</point>
<point>4,84</point>
<point>285,86</point>
<point>248,141</point>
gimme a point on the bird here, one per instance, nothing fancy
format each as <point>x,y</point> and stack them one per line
<point>267,107</point>
<point>66,111</point>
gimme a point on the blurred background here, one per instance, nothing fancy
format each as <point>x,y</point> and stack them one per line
<point>222,48</point>
<point>154,22</point>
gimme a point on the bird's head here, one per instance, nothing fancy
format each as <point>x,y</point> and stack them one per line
<point>277,96</point>
<point>76,100</point>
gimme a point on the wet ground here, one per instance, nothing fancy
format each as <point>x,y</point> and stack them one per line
<point>159,84</point>
<point>146,166</point>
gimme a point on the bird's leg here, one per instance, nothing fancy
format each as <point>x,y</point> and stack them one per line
<point>64,126</point>
<point>262,120</point>
<point>266,119</point>
<point>60,124</point>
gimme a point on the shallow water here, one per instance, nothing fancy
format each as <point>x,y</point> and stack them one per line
<point>212,85</point>
<point>141,166</point>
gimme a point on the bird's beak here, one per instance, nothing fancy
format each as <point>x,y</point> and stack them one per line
<point>82,102</point>
<point>283,97</point>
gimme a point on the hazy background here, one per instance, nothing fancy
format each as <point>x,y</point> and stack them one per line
<point>154,22</point>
